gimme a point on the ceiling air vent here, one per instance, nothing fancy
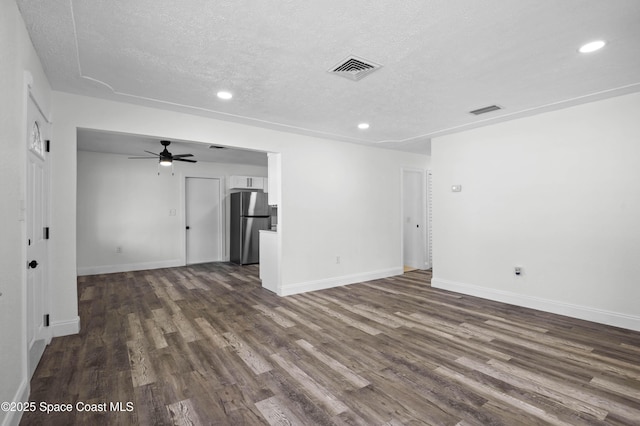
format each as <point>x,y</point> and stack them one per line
<point>485,110</point>
<point>354,68</point>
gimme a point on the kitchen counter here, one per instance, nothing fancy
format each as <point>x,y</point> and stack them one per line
<point>270,259</point>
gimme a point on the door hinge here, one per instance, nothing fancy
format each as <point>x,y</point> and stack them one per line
<point>46,320</point>
<point>47,145</point>
<point>46,233</point>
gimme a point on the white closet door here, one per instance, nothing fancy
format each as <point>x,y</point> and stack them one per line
<point>203,219</point>
<point>414,219</point>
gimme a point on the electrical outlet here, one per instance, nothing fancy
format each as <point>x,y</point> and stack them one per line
<point>119,249</point>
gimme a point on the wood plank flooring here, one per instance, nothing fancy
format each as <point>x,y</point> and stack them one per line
<point>206,344</point>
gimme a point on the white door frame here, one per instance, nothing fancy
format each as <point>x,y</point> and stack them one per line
<point>421,193</point>
<point>429,212</point>
<point>33,352</point>
<point>183,211</point>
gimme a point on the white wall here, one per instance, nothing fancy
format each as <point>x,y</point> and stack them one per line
<point>125,203</point>
<point>337,199</point>
<point>341,200</point>
<point>18,56</point>
<point>558,194</point>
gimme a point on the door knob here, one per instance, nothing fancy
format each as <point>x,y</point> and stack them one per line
<point>187,227</point>
<point>33,264</point>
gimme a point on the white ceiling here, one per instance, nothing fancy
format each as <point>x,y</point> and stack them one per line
<point>136,145</point>
<point>440,59</point>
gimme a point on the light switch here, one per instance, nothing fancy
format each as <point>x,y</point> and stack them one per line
<point>456,188</point>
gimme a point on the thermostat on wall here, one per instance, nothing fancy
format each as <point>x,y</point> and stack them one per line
<point>456,188</point>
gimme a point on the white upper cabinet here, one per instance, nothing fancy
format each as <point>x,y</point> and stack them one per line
<point>246,182</point>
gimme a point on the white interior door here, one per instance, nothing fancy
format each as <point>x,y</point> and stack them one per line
<point>203,220</point>
<point>37,218</point>
<point>414,219</point>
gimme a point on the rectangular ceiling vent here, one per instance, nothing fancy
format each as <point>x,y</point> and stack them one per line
<point>485,110</point>
<point>354,68</point>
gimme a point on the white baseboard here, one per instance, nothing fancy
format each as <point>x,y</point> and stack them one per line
<point>323,284</point>
<point>22,394</point>
<point>65,328</point>
<point>616,319</point>
<point>127,267</point>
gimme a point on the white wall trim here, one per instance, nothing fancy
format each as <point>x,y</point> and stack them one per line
<point>288,290</point>
<point>127,267</point>
<point>13,418</point>
<point>65,328</point>
<point>22,394</point>
<point>587,313</point>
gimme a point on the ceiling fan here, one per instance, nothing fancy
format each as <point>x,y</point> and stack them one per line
<point>165,157</point>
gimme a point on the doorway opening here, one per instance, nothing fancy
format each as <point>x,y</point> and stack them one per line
<point>129,218</point>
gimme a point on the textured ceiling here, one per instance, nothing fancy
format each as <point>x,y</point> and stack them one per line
<point>440,59</point>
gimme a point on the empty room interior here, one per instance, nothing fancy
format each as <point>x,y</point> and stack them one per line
<point>320,213</point>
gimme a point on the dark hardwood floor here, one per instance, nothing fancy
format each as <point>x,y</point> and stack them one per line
<point>207,345</point>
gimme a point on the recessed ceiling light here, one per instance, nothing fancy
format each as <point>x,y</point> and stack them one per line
<point>363,126</point>
<point>592,47</point>
<point>225,95</point>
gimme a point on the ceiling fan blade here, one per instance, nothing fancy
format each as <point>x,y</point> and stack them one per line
<point>152,153</point>
<point>181,159</point>
<point>182,155</point>
<point>142,158</point>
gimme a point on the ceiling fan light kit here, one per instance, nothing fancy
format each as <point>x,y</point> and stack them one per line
<point>165,158</point>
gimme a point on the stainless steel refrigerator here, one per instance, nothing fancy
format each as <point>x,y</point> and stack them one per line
<point>249,214</point>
